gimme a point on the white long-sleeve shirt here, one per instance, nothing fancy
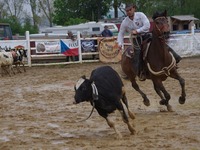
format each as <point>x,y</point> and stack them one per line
<point>140,23</point>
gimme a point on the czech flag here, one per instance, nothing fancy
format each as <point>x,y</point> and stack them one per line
<point>66,50</point>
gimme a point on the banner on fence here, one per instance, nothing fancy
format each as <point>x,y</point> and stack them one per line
<point>63,46</point>
<point>13,44</point>
<point>47,46</point>
<point>88,45</point>
<point>108,50</point>
<point>70,48</point>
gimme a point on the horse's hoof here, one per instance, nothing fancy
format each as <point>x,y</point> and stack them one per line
<point>162,102</point>
<point>133,132</point>
<point>146,102</point>
<point>169,108</point>
<point>182,100</point>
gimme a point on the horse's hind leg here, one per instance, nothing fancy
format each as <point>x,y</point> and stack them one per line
<point>126,64</point>
<point>136,87</point>
<point>125,101</point>
<point>183,95</point>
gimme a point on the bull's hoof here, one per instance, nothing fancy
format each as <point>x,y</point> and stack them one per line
<point>118,136</point>
<point>131,115</point>
<point>169,108</point>
<point>133,132</point>
<point>146,102</point>
<point>182,100</point>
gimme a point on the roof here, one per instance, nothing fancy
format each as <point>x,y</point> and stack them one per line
<point>184,17</point>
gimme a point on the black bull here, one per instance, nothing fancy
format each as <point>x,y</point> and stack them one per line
<point>104,90</point>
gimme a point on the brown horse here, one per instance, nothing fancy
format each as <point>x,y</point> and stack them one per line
<point>159,62</point>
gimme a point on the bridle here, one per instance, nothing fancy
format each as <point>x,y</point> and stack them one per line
<point>161,33</point>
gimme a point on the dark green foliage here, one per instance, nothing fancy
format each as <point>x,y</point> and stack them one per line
<point>91,10</point>
<point>70,12</point>
<point>17,28</point>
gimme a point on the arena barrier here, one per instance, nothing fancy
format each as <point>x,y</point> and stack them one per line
<point>48,51</point>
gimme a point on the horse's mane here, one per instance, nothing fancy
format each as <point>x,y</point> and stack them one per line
<point>159,14</point>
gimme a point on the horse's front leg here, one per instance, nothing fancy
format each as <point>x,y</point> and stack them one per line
<point>136,87</point>
<point>160,90</point>
<point>182,98</point>
<point>183,95</point>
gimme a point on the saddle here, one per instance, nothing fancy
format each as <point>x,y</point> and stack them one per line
<point>146,40</point>
<point>143,47</point>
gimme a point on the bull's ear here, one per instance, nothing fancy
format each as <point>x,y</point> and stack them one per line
<point>84,77</point>
<point>91,81</point>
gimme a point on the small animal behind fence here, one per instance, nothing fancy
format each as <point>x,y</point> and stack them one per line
<point>10,58</point>
<point>19,59</point>
<point>104,90</point>
<point>6,63</point>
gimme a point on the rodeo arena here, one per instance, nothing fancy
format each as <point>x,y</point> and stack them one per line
<point>44,75</point>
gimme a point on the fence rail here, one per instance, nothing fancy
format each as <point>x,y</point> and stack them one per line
<point>184,44</point>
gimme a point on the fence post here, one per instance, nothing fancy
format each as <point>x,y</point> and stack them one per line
<point>28,48</point>
<point>192,29</point>
<point>79,46</point>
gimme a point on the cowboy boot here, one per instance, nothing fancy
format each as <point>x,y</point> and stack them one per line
<point>141,70</point>
<point>142,76</point>
<point>176,56</point>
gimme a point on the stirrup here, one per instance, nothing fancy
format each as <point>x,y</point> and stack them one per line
<point>142,77</point>
<point>178,59</point>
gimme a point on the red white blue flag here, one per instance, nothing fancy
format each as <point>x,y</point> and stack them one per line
<point>67,50</point>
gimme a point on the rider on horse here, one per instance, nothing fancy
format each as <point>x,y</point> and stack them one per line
<point>138,25</point>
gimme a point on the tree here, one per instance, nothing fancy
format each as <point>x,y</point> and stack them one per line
<point>14,24</point>
<point>34,10</point>
<point>92,10</point>
<point>47,8</point>
<point>3,10</point>
<point>14,8</point>
<point>29,27</point>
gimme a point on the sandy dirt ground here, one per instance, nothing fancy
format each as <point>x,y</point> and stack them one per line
<point>37,113</point>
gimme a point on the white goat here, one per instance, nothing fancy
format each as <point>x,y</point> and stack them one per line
<point>6,62</point>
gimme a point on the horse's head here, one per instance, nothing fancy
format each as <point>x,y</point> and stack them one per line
<point>161,25</point>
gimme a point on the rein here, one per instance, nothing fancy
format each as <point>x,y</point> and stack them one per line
<point>161,35</point>
<point>135,37</point>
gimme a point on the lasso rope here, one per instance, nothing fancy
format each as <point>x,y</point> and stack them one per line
<point>135,46</point>
<point>164,70</point>
<point>95,97</point>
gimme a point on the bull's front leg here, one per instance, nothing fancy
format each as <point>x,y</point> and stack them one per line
<point>17,66</point>
<point>23,67</point>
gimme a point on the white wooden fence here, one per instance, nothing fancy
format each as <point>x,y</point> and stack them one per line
<point>184,44</point>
